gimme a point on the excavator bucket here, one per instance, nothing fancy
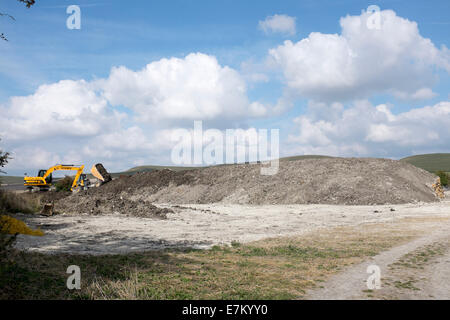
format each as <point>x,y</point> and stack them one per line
<point>47,209</point>
<point>99,171</point>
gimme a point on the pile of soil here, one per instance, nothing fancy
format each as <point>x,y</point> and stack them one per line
<point>50,196</point>
<point>44,196</point>
<point>345,181</point>
<point>85,203</point>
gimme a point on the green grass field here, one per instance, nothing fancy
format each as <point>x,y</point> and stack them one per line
<point>431,162</point>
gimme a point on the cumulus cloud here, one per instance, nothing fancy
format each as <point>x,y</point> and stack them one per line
<point>278,23</point>
<point>129,146</point>
<point>195,87</point>
<point>366,130</point>
<point>362,61</point>
<point>420,94</point>
<point>32,158</point>
<point>192,88</point>
<point>72,119</point>
<point>65,108</point>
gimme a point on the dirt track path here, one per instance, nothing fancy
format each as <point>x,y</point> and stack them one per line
<point>419,269</point>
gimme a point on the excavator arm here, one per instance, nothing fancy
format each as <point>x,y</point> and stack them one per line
<point>77,178</point>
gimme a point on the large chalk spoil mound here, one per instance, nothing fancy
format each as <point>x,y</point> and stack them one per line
<point>326,181</point>
<point>347,181</point>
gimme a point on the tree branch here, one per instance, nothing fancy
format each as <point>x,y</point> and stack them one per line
<point>28,4</point>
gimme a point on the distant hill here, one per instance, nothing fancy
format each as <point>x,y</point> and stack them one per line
<point>312,156</point>
<point>431,162</point>
<point>175,168</point>
<point>10,179</point>
<point>151,168</point>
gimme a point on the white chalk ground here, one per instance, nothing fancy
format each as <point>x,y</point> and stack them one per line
<point>202,226</point>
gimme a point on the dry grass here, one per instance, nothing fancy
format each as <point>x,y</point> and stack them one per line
<point>11,202</point>
<point>281,268</point>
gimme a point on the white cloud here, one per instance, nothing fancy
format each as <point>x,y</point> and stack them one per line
<point>360,61</point>
<point>125,147</point>
<point>65,108</point>
<point>420,94</point>
<point>129,139</point>
<point>278,23</point>
<point>34,158</point>
<point>76,121</point>
<point>195,87</point>
<point>365,130</point>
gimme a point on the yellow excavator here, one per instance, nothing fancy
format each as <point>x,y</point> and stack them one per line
<point>44,178</point>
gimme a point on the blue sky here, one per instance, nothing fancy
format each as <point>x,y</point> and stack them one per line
<point>134,35</point>
<point>42,51</point>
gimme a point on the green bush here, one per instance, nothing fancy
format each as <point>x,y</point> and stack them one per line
<point>64,184</point>
<point>444,178</point>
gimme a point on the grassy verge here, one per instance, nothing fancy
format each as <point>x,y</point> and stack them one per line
<point>282,268</point>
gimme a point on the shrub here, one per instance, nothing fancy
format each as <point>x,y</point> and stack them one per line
<point>444,178</point>
<point>14,226</point>
<point>6,241</point>
<point>64,184</point>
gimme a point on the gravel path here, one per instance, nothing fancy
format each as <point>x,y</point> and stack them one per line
<point>419,269</point>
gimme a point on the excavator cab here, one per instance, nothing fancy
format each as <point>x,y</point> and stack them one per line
<point>84,183</point>
<point>48,179</point>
